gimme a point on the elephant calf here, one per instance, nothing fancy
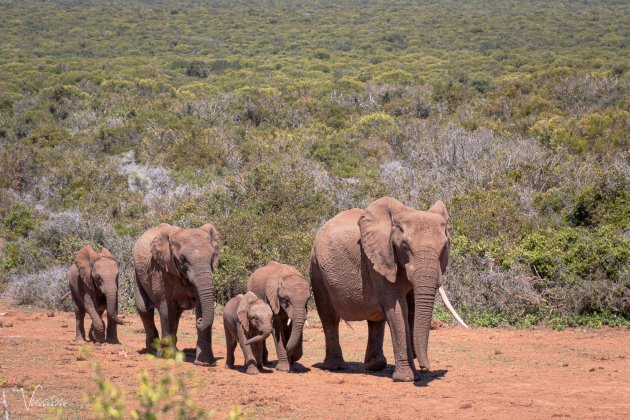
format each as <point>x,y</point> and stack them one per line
<point>287,292</point>
<point>93,282</point>
<point>247,320</point>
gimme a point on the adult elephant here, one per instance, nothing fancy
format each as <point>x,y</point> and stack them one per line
<point>382,264</point>
<point>93,280</point>
<point>174,272</point>
<point>287,292</point>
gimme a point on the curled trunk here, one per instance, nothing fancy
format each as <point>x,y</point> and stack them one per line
<point>261,337</point>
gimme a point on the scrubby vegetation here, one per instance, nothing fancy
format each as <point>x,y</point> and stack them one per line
<point>267,118</point>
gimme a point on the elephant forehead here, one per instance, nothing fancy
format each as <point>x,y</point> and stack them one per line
<point>423,223</point>
<point>261,308</point>
<point>105,264</point>
<point>192,237</point>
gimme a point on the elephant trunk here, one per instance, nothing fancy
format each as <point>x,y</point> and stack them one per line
<point>111,297</point>
<point>266,332</point>
<point>297,325</point>
<point>424,296</point>
<point>205,293</point>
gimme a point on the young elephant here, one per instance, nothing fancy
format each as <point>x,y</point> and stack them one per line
<point>287,292</point>
<point>246,319</point>
<point>93,282</point>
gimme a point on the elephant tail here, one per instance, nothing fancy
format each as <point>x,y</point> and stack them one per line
<point>348,324</point>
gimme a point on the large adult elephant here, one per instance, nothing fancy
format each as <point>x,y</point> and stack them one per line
<point>93,280</point>
<point>174,272</point>
<point>287,292</point>
<point>382,264</point>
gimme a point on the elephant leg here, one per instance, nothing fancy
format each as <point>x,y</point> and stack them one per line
<point>330,322</point>
<point>204,355</point>
<point>150,330</point>
<point>257,349</point>
<point>411,310</point>
<point>396,316</point>
<point>79,315</point>
<point>265,355</point>
<point>374,357</point>
<point>167,312</point>
<point>174,327</point>
<point>230,346</point>
<point>248,354</point>
<point>146,311</point>
<point>278,339</point>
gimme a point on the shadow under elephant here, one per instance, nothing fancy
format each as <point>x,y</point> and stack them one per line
<point>426,377</point>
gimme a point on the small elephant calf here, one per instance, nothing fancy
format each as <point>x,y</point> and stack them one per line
<point>248,321</point>
<point>93,280</point>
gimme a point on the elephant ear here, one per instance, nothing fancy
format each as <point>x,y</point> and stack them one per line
<point>243,308</point>
<point>83,260</point>
<point>375,225</point>
<point>439,208</point>
<point>161,247</point>
<point>271,291</point>
<point>215,240</point>
<point>105,253</point>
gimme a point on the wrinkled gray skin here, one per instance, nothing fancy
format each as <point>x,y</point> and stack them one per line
<point>383,264</point>
<point>287,292</point>
<point>174,272</point>
<point>93,280</point>
<point>247,321</point>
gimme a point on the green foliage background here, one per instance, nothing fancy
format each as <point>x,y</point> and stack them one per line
<point>267,118</point>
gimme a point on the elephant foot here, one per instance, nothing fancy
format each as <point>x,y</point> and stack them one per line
<point>283,366</point>
<point>209,363</point>
<point>252,370</point>
<point>335,364</point>
<point>79,339</point>
<point>405,374</point>
<point>229,365</point>
<point>375,364</point>
<point>204,357</point>
<point>112,340</point>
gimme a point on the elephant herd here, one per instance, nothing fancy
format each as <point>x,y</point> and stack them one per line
<point>383,264</point>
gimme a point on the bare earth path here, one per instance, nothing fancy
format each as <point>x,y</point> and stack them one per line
<point>480,373</point>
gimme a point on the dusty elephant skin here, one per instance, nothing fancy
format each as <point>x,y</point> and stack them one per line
<point>287,292</point>
<point>93,280</point>
<point>174,272</point>
<point>247,321</point>
<point>383,264</point>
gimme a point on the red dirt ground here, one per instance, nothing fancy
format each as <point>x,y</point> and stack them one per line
<point>478,373</point>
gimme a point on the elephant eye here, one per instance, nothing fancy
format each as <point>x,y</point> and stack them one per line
<point>182,259</point>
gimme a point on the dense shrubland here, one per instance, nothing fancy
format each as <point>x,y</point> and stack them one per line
<point>267,120</point>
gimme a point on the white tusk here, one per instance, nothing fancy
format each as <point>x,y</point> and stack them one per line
<point>450,308</point>
<point>289,322</point>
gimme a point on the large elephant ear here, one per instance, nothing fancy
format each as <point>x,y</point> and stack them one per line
<point>161,247</point>
<point>439,208</point>
<point>243,308</point>
<point>215,240</point>
<point>271,291</point>
<point>83,260</point>
<point>105,253</point>
<point>375,225</point>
